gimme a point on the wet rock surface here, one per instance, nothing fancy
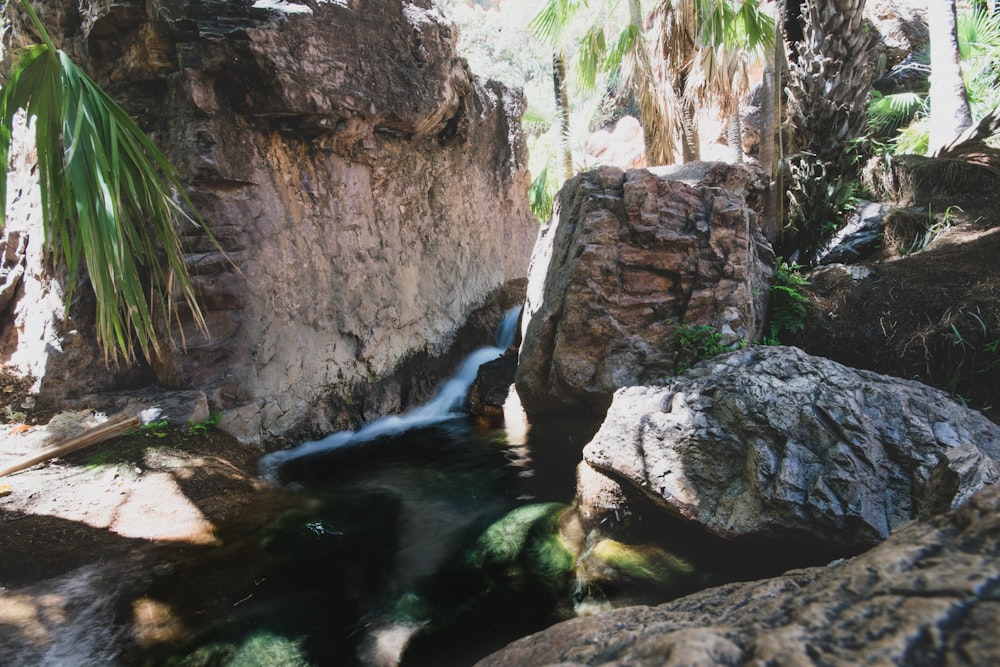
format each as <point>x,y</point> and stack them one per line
<point>928,595</point>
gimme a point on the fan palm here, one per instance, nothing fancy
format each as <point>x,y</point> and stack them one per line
<point>655,65</point>
<point>107,196</point>
<point>733,39</point>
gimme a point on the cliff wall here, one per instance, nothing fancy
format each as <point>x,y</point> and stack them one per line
<point>369,192</point>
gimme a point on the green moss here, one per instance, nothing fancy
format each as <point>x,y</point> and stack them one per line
<point>260,649</point>
<point>524,550</point>
<point>643,561</point>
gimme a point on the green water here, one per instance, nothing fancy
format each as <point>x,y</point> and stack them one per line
<point>386,549</point>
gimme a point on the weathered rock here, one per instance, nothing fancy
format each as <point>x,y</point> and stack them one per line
<point>368,190</point>
<point>619,145</point>
<point>859,239</point>
<point>769,445</point>
<point>490,389</point>
<point>902,29</point>
<point>927,595</point>
<point>627,258</point>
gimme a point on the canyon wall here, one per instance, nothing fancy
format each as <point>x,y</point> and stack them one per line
<point>368,191</point>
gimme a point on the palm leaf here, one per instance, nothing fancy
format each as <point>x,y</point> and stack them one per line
<point>590,56</point>
<point>108,199</point>
<point>555,16</point>
<point>623,45</point>
<point>889,112</point>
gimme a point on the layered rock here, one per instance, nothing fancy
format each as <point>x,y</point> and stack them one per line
<point>628,257</point>
<point>771,446</point>
<point>928,594</point>
<point>367,189</point>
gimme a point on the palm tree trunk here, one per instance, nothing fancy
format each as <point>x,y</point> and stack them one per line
<point>691,145</point>
<point>562,111</point>
<point>950,113</point>
<point>736,136</point>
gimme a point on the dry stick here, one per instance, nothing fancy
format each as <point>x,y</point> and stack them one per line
<point>89,437</point>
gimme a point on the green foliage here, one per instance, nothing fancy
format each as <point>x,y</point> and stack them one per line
<point>201,428</point>
<point>645,562</point>
<point>889,113</point>
<point>107,197</point>
<point>541,194</point>
<point>153,429</point>
<point>258,649</point>
<point>697,342</point>
<point>985,351</point>
<point>787,309</point>
<point>817,203</point>
<point>932,229</point>
<point>704,340</point>
<point>903,116</point>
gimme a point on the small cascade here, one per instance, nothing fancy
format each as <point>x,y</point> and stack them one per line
<point>446,404</point>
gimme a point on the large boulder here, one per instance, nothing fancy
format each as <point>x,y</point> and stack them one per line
<point>369,192</point>
<point>629,257</point>
<point>772,446</point>
<point>927,595</point>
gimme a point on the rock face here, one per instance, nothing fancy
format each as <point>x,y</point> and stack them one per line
<point>368,189</point>
<point>769,445</point>
<point>627,258</point>
<point>927,595</point>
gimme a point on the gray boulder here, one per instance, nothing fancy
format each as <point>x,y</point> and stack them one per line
<point>628,257</point>
<point>771,445</point>
<point>928,595</point>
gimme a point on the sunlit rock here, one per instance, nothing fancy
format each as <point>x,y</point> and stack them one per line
<point>628,258</point>
<point>770,446</point>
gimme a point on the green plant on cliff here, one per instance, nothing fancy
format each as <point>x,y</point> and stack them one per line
<point>698,342</point>
<point>109,198</point>
<point>787,310</point>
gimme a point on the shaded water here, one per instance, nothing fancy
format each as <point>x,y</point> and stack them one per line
<point>374,556</point>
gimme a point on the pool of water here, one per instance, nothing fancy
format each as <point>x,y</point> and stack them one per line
<point>374,557</point>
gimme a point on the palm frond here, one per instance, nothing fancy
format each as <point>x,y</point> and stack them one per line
<point>888,112</point>
<point>590,56</point>
<point>978,33</point>
<point>625,42</point>
<point>555,16</point>
<point>108,198</point>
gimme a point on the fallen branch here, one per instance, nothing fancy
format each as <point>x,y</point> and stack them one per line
<point>92,436</point>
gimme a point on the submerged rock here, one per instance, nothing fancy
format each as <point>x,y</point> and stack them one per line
<point>926,594</point>
<point>628,258</point>
<point>772,446</point>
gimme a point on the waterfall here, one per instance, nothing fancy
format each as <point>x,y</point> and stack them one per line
<point>446,404</point>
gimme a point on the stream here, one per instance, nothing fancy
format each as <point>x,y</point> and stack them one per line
<point>387,550</point>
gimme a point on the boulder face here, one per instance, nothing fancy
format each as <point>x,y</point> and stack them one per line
<point>770,446</point>
<point>927,595</point>
<point>368,190</point>
<point>628,257</point>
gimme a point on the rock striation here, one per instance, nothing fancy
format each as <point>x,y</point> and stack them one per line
<point>772,446</point>
<point>629,257</point>
<point>368,191</point>
<point>928,595</point>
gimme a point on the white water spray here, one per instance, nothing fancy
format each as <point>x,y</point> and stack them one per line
<point>446,404</point>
